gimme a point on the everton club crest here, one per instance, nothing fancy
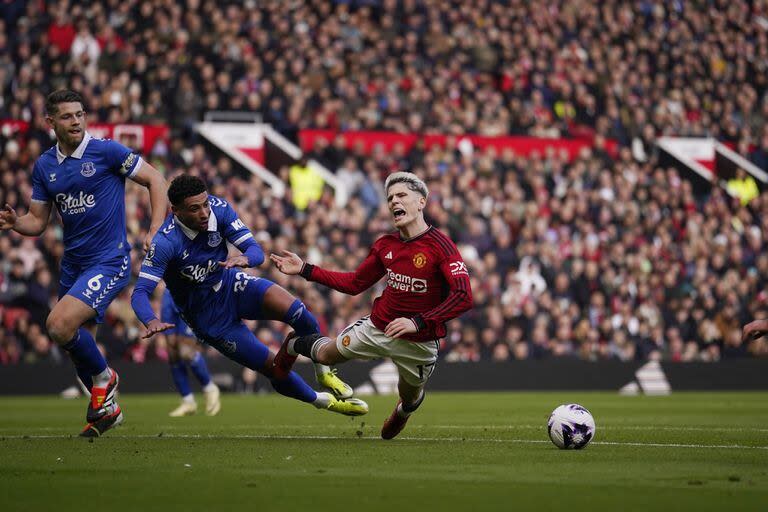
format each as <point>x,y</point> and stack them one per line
<point>214,239</point>
<point>88,169</point>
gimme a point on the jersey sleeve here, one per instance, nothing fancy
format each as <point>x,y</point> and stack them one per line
<point>121,160</point>
<point>152,270</point>
<point>233,229</point>
<point>39,190</point>
<point>352,283</point>
<point>157,259</point>
<point>238,234</point>
<point>459,297</point>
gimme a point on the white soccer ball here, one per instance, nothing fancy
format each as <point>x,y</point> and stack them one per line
<point>571,426</point>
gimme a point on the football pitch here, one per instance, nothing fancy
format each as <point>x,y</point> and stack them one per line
<point>460,452</point>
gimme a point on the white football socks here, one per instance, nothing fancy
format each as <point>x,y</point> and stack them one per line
<point>102,379</point>
<point>321,369</point>
<point>323,400</point>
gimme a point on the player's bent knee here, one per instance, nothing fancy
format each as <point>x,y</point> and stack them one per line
<point>185,352</point>
<point>60,328</point>
<point>329,354</point>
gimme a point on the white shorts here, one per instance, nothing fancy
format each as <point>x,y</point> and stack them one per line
<point>415,361</point>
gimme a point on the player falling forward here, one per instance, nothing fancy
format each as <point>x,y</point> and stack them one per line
<point>427,285</point>
<point>85,178</point>
<point>189,253</point>
<point>184,355</point>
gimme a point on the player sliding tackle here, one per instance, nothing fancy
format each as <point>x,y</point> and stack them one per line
<point>427,285</point>
<point>189,253</point>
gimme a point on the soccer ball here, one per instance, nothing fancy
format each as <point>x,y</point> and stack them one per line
<point>571,426</point>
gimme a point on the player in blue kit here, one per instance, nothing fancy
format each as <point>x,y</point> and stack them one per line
<point>189,253</point>
<point>84,178</point>
<point>184,355</point>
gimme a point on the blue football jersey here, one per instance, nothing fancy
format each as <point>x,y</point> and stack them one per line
<point>188,260</point>
<point>88,190</point>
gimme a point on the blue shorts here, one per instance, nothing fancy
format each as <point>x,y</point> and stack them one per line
<point>170,314</point>
<point>239,296</point>
<point>96,285</point>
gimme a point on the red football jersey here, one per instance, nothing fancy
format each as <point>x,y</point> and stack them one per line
<point>427,281</point>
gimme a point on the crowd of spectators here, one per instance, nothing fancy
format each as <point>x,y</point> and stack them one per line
<point>597,258</point>
<point>627,70</point>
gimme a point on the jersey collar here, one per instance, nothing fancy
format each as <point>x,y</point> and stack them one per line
<point>78,153</point>
<point>191,233</point>
<point>416,237</point>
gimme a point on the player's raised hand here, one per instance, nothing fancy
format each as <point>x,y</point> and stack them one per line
<point>755,329</point>
<point>155,326</point>
<point>7,217</point>
<point>287,262</point>
<point>241,260</point>
<point>400,326</point>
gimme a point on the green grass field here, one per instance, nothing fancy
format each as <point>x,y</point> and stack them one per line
<point>702,451</point>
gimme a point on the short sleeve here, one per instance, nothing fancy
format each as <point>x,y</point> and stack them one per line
<point>39,189</point>
<point>233,228</point>
<point>156,261</point>
<point>122,160</point>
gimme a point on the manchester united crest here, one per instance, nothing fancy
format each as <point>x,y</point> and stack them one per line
<point>419,260</point>
<point>345,341</point>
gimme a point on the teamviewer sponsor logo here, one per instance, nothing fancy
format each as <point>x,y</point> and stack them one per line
<point>73,205</point>
<point>406,283</point>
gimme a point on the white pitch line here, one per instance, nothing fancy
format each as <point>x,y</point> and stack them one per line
<point>473,427</point>
<point>610,427</point>
<point>470,427</point>
<point>418,439</point>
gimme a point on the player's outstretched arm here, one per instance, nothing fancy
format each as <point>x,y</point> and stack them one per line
<point>287,262</point>
<point>352,283</point>
<point>143,308</point>
<point>31,224</point>
<point>151,178</point>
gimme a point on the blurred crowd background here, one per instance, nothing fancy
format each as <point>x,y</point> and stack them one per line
<point>605,256</point>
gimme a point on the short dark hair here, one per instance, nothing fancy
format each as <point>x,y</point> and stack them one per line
<point>62,96</point>
<point>185,186</point>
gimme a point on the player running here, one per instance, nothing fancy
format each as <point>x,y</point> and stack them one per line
<point>183,355</point>
<point>189,253</point>
<point>427,285</point>
<point>84,178</point>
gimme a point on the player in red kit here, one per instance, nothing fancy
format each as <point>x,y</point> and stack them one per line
<point>427,285</point>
